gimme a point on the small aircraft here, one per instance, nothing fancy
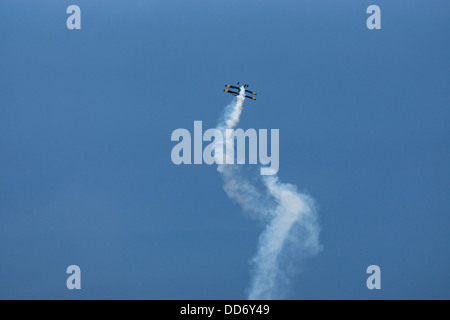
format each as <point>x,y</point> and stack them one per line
<point>238,88</point>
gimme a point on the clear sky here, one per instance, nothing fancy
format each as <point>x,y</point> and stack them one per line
<point>86,117</point>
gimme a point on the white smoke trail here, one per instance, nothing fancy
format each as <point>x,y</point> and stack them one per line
<point>291,229</point>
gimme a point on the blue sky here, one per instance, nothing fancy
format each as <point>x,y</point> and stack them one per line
<point>86,117</point>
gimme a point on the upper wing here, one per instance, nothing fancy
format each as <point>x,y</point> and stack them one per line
<point>229,86</point>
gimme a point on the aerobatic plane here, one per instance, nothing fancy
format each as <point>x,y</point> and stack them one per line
<point>238,89</point>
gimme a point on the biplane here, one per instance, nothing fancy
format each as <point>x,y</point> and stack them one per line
<point>234,93</point>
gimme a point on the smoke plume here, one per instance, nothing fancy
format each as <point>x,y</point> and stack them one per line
<point>291,230</point>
